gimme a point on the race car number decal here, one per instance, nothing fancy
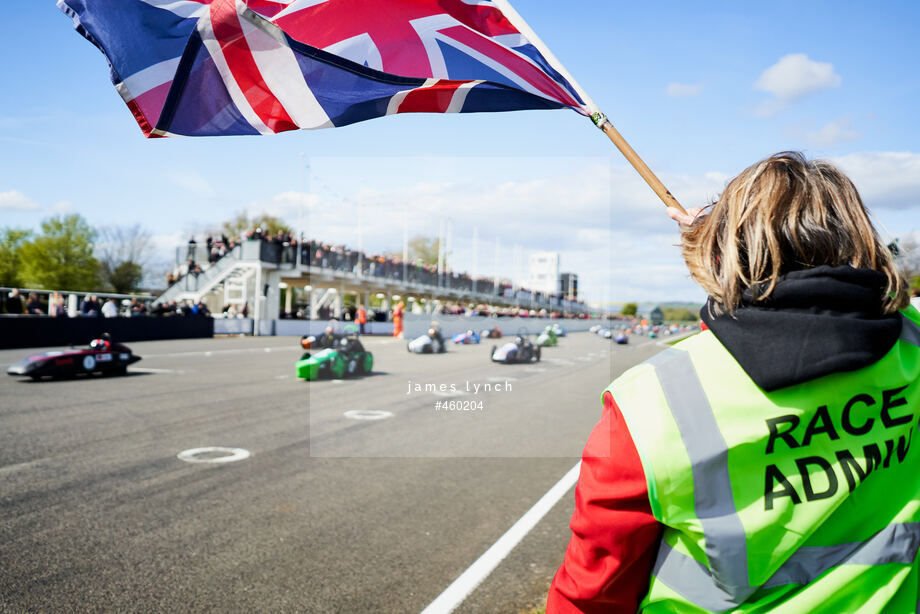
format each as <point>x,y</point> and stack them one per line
<point>104,357</point>
<point>89,363</point>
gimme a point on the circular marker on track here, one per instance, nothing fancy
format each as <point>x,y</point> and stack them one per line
<point>449,393</point>
<point>368,414</point>
<point>209,455</point>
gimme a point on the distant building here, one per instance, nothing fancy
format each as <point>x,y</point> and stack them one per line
<point>568,285</point>
<point>656,316</point>
<point>544,272</point>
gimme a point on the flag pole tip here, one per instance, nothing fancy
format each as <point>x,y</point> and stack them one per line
<point>600,119</point>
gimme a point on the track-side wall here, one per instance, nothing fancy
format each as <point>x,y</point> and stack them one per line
<point>42,331</point>
<point>413,325</point>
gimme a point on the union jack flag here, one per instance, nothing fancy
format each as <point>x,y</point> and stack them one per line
<point>222,67</point>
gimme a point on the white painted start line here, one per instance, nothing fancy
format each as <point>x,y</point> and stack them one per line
<point>230,455</point>
<point>466,583</point>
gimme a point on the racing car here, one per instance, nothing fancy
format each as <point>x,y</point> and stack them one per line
<point>519,350</point>
<point>560,332</point>
<point>621,338</point>
<point>430,343</point>
<point>327,339</point>
<point>346,357</point>
<point>467,337</point>
<point>100,356</point>
<point>548,337</point>
<point>491,333</point>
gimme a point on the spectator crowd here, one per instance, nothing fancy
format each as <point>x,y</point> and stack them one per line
<point>54,304</point>
<point>342,258</point>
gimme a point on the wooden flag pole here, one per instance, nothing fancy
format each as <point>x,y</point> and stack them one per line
<point>599,119</point>
<point>666,197</point>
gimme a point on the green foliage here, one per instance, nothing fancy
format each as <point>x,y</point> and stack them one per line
<point>11,242</point>
<point>421,248</point>
<point>61,257</point>
<point>629,309</point>
<point>424,249</point>
<point>125,277</point>
<point>908,260</point>
<point>270,225</point>
<point>122,253</point>
<point>679,314</point>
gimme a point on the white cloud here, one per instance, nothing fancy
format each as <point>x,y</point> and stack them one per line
<point>791,78</point>
<point>683,90</point>
<point>286,205</point>
<point>603,219</point>
<point>833,133</point>
<point>885,179</point>
<point>15,200</point>
<point>62,206</point>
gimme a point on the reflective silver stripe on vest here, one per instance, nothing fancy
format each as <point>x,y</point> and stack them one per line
<point>691,580</point>
<point>896,543</point>
<point>727,585</point>
<point>726,542</point>
<point>910,332</point>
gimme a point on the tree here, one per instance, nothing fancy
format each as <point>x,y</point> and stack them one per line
<point>123,252</point>
<point>908,260</point>
<point>629,309</point>
<point>234,228</point>
<point>61,257</point>
<point>421,248</point>
<point>11,242</point>
<point>679,314</point>
<point>124,278</point>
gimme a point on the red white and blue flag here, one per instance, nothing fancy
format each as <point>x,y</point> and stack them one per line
<point>223,67</point>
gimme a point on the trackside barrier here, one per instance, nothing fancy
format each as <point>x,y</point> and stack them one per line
<point>232,326</point>
<point>416,324</point>
<point>44,331</point>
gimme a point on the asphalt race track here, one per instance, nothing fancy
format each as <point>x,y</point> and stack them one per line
<point>328,514</point>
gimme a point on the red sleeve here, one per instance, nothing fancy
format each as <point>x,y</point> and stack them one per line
<point>614,534</point>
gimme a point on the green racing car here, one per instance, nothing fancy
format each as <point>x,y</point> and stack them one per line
<point>344,355</point>
<point>548,338</point>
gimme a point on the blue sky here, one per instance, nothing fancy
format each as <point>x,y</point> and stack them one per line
<point>700,91</point>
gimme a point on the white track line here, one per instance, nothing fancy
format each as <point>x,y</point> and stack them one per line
<point>210,353</point>
<point>467,582</point>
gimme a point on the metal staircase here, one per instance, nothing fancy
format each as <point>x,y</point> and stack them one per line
<point>231,272</point>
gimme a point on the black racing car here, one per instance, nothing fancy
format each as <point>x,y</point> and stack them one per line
<point>101,356</point>
<point>521,349</point>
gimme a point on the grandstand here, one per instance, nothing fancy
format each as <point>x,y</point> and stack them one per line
<point>255,273</point>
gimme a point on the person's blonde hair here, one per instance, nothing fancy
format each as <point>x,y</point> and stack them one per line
<point>783,214</point>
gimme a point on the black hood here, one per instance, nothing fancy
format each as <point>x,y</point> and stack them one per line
<point>816,322</point>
